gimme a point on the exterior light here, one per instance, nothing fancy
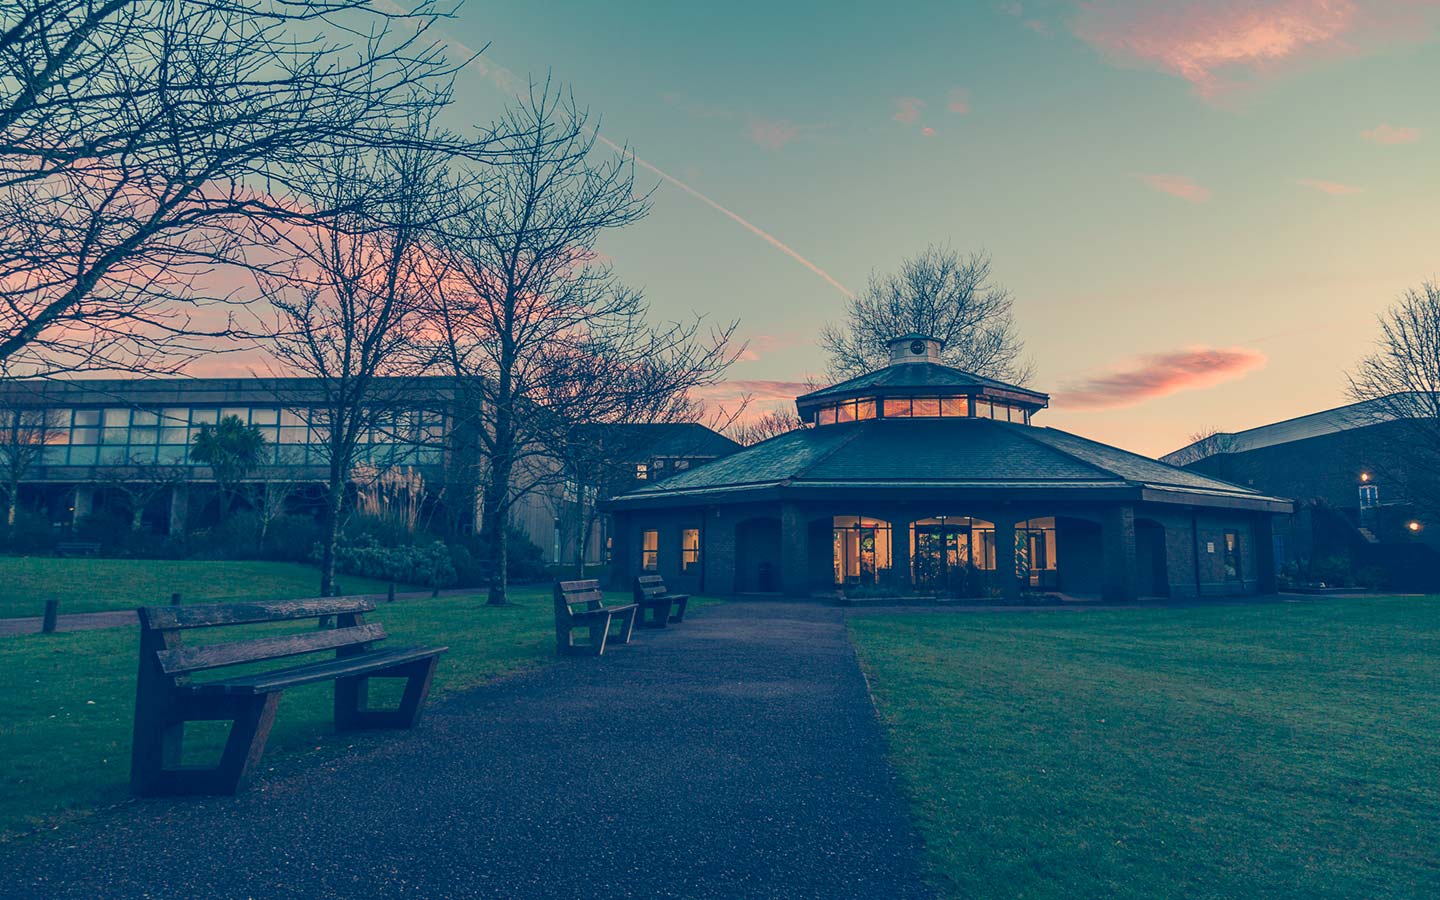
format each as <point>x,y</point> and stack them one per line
<point>1364,476</point>
<point>1413,525</point>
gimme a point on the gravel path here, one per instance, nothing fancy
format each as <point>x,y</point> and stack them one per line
<point>736,755</point>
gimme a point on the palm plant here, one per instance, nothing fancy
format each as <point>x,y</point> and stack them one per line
<point>232,450</point>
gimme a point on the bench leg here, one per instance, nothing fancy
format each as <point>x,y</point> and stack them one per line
<point>627,624</point>
<point>598,635</point>
<point>679,610</point>
<point>155,774</point>
<point>658,617</point>
<point>351,712</point>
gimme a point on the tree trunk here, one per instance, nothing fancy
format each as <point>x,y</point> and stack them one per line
<point>330,533</point>
<point>12,497</point>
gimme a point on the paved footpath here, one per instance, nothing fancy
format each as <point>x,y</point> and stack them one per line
<point>736,755</point>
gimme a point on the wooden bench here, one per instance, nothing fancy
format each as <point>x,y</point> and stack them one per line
<point>650,592</point>
<point>593,614</point>
<point>77,548</point>
<point>166,697</point>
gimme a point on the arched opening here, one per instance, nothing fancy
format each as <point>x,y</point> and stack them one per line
<point>952,555</point>
<point>1079,557</point>
<point>861,551</point>
<point>1037,563</point>
<point>1151,571</point>
<point>757,556</point>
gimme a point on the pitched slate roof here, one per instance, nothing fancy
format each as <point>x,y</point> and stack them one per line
<point>952,453</point>
<point>916,375</point>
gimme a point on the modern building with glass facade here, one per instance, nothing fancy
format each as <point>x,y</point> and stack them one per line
<point>920,478</point>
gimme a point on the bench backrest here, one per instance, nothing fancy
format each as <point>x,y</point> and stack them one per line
<point>164,628</point>
<point>585,593</point>
<point>648,587</point>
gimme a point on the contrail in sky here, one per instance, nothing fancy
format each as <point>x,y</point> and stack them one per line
<point>506,80</point>
<point>756,230</point>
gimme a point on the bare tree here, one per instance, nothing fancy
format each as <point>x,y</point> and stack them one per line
<point>141,141</point>
<point>1398,385</point>
<point>601,402</point>
<point>940,294</point>
<point>529,315</point>
<point>350,312</point>
<point>771,424</point>
<point>24,433</point>
<point>141,483</point>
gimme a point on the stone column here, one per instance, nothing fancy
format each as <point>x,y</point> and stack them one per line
<point>794,551</point>
<point>1005,556</point>
<point>1264,537</point>
<point>1120,583</point>
<point>902,572</point>
<point>179,508</point>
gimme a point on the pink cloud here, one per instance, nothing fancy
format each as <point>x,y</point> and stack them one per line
<point>959,101</point>
<point>1159,374</point>
<point>1391,134</point>
<point>1177,186</point>
<point>762,393</point>
<point>772,134</point>
<point>928,131</point>
<point>1218,45</point>
<point>1329,187</point>
<point>907,110</point>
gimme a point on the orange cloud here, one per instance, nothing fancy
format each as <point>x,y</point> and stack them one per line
<point>1159,374</point>
<point>1211,42</point>
<point>1177,186</point>
<point>1391,134</point>
<point>1329,187</point>
<point>907,110</point>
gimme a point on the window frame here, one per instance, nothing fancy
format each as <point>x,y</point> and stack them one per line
<point>689,556</point>
<point>650,550</point>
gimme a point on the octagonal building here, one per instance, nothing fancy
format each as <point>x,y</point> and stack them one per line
<point>922,479</point>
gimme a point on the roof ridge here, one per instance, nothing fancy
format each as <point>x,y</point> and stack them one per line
<point>1029,432</point>
<point>1148,459</point>
<point>839,445</point>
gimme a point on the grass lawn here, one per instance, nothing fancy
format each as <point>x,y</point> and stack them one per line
<point>1275,750</point>
<point>90,585</point>
<point>69,700</point>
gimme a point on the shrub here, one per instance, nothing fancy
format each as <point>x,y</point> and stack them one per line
<point>429,564</point>
<point>290,537</point>
<point>31,533</point>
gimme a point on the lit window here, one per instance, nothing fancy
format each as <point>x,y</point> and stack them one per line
<point>642,472</point>
<point>897,407</point>
<point>955,406</point>
<point>826,416</point>
<point>865,409</point>
<point>983,409</point>
<point>845,412</point>
<point>690,550</point>
<point>927,407</point>
<point>1369,496</point>
<point>650,550</point>
<point>1232,556</point>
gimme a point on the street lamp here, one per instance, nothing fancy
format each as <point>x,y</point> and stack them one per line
<point>1413,525</point>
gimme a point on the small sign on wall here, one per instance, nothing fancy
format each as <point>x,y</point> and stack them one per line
<point>1209,546</point>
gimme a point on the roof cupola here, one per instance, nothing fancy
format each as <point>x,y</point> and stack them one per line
<point>914,348</point>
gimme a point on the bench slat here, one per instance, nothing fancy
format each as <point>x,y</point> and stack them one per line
<point>585,597</point>
<point>214,656</point>
<point>586,584</point>
<point>202,615</point>
<point>323,670</point>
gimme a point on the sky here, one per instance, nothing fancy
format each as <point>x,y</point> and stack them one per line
<point>1200,207</point>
